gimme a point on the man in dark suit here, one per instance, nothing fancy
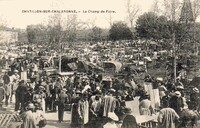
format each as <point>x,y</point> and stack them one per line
<point>20,96</point>
<point>7,86</point>
<point>63,99</point>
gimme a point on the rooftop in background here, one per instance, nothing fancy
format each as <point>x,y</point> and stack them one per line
<point>4,28</point>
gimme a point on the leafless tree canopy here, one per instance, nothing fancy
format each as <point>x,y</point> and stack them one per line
<point>132,10</point>
<point>196,8</point>
<point>170,7</point>
<point>110,20</point>
<point>62,30</point>
<point>3,24</point>
<point>155,7</point>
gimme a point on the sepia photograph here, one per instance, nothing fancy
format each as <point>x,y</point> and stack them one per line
<point>99,63</point>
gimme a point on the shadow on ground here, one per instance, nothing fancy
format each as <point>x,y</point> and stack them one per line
<point>56,124</point>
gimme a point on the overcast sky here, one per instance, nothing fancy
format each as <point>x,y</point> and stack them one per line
<point>11,10</point>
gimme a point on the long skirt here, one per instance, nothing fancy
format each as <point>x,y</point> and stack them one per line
<point>75,119</point>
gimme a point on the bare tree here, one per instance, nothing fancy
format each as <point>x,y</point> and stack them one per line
<point>72,25</point>
<point>88,26</point>
<point>55,31</point>
<point>110,19</point>
<point>196,8</point>
<point>172,11</point>
<point>63,30</point>
<point>3,25</point>
<point>133,11</point>
<point>155,7</point>
<point>196,13</point>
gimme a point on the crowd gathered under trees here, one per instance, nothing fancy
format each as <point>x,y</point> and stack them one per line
<point>94,103</point>
<point>98,104</point>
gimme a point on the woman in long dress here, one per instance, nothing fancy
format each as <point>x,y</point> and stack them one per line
<point>74,109</point>
<point>145,106</point>
<point>38,98</point>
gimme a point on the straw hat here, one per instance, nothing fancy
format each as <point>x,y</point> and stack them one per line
<point>16,71</point>
<point>177,93</point>
<point>113,116</point>
<point>64,90</point>
<point>41,88</point>
<point>78,92</point>
<point>160,79</point>
<point>196,90</point>
<point>97,88</point>
<point>30,106</point>
<point>112,90</point>
<point>180,87</point>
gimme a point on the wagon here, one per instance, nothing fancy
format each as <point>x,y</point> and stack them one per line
<point>9,119</point>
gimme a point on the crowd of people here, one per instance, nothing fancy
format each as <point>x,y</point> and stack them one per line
<point>94,104</point>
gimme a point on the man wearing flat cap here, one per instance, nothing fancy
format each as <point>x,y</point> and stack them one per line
<point>129,120</point>
<point>176,102</point>
<point>194,98</point>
